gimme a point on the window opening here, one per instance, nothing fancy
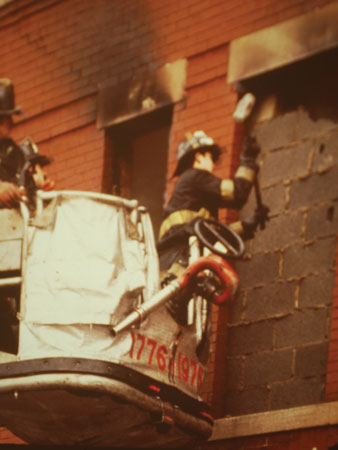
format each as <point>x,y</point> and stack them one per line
<point>139,157</point>
<point>293,87</point>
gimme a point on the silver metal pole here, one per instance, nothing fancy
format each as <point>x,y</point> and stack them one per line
<point>146,308</point>
<point>10,281</point>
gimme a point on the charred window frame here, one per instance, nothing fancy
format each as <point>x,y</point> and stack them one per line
<point>137,116</point>
<point>281,61</point>
<point>5,2</point>
<point>291,87</point>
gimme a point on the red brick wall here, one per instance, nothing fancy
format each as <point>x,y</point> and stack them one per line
<point>185,29</point>
<point>332,366</point>
<point>57,51</point>
<point>311,439</point>
<point>6,437</point>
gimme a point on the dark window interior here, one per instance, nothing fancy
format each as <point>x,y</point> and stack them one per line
<point>140,153</point>
<point>311,83</point>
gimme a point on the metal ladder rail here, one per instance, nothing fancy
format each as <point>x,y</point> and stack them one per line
<point>17,280</point>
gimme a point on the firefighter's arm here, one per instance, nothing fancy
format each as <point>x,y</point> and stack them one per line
<point>236,192</point>
<point>10,194</point>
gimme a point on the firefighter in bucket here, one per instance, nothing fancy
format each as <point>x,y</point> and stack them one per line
<point>198,193</point>
<point>21,175</point>
<point>21,166</point>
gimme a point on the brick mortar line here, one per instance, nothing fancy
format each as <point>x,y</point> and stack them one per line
<point>63,133</point>
<point>57,107</point>
<point>20,10</point>
<point>55,110</point>
<point>209,50</point>
<point>209,80</point>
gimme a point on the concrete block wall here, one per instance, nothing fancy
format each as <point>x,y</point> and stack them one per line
<point>280,326</point>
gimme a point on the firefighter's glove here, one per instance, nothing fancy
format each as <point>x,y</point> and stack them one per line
<point>248,161</point>
<point>263,215</point>
<point>11,194</point>
<point>250,147</point>
<point>250,225</point>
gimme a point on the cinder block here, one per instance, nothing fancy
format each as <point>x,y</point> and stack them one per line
<point>316,290</point>
<point>304,259</point>
<point>322,220</point>
<point>326,152</point>
<point>280,232</point>
<point>311,360</point>
<point>246,401</point>
<point>315,189</point>
<point>270,300</point>
<point>246,339</point>
<point>277,133</point>
<point>263,268</point>
<point>297,392</point>
<point>274,197</point>
<point>309,127</point>
<point>287,163</point>
<point>268,367</point>
<point>301,327</point>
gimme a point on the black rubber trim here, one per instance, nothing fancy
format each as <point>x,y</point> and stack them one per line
<point>113,371</point>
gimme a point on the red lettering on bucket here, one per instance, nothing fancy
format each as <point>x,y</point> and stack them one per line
<point>151,352</point>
